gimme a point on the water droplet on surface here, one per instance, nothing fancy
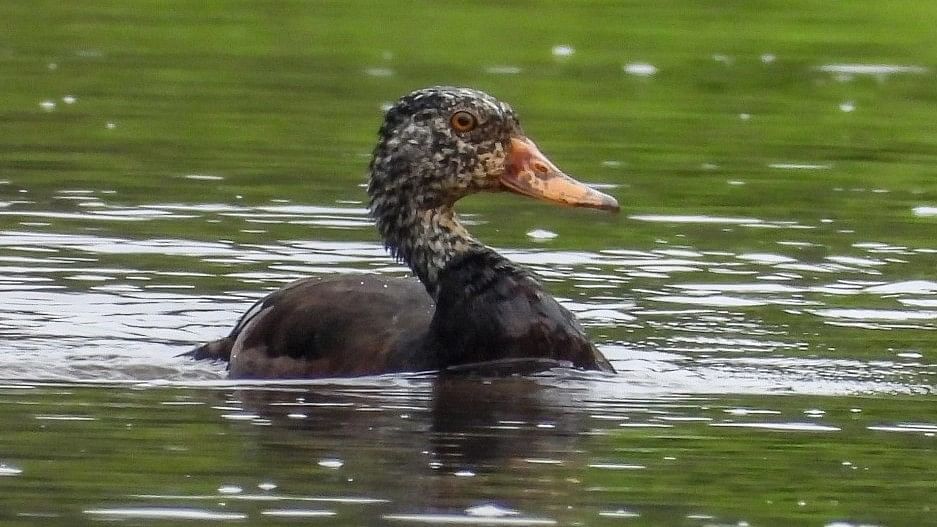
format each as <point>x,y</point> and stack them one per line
<point>9,471</point>
<point>69,99</point>
<point>203,177</point>
<point>724,59</point>
<point>792,427</point>
<point>229,489</point>
<point>620,513</point>
<point>798,166</point>
<point>562,50</point>
<point>331,463</point>
<point>541,234</point>
<point>503,70</point>
<point>298,513</point>
<point>459,519</point>
<point>847,106</point>
<point>490,511</point>
<point>379,72</point>
<point>768,58</point>
<point>616,466</point>
<point>640,69</point>
<point>47,105</point>
<point>165,513</point>
<point>871,69</point>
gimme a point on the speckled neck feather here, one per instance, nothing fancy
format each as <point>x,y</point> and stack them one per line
<point>427,241</point>
<point>420,167</point>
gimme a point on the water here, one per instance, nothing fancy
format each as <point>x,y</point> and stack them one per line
<point>768,293</point>
<point>549,450</point>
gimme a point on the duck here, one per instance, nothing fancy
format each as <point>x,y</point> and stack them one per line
<point>465,304</point>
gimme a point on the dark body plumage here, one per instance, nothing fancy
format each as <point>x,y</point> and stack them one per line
<point>469,305</point>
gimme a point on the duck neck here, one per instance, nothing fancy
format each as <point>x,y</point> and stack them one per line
<point>427,240</point>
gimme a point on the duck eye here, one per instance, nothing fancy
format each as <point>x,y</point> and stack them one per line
<point>463,121</point>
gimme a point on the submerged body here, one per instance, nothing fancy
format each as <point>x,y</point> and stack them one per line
<point>467,304</point>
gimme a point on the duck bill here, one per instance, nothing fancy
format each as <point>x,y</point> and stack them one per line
<point>530,173</point>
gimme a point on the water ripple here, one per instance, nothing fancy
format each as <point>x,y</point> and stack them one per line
<point>88,304</point>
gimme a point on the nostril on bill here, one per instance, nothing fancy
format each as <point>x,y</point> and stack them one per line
<point>540,168</point>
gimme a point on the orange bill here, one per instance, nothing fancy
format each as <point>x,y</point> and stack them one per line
<point>530,173</point>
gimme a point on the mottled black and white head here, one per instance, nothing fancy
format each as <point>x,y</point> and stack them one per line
<point>440,144</point>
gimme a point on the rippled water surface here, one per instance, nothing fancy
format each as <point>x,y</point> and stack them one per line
<point>768,293</point>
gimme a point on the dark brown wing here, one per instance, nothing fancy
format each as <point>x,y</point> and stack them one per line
<point>344,326</point>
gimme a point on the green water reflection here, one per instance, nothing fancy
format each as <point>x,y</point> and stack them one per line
<point>775,166</point>
<point>357,454</point>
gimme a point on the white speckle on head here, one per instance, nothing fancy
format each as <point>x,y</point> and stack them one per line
<point>492,106</point>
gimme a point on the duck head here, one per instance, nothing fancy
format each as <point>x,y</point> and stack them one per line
<point>440,144</point>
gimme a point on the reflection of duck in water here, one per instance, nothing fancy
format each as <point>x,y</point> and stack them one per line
<point>459,422</point>
<point>436,146</point>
